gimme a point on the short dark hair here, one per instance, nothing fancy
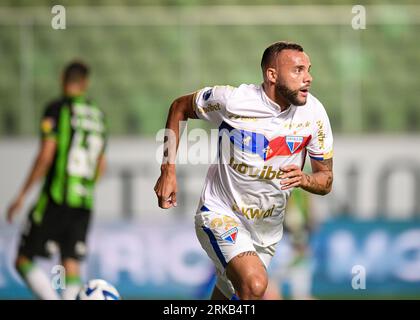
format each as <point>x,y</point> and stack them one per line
<point>75,71</point>
<point>273,50</point>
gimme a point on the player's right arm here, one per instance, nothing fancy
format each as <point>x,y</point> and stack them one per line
<point>166,188</point>
<point>43,160</point>
<point>101,168</point>
<point>207,104</point>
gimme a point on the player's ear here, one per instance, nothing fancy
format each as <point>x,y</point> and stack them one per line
<point>271,75</point>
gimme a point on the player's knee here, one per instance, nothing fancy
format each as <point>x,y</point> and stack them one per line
<point>258,286</point>
<point>253,287</point>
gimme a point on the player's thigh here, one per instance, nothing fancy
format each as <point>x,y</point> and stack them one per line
<point>245,269</point>
<point>73,241</point>
<point>38,234</point>
<point>222,237</point>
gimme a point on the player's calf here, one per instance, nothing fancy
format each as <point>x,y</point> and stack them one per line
<point>73,280</point>
<point>37,280</point>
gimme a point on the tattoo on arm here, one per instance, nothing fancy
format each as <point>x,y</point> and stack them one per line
<point>320,182</point>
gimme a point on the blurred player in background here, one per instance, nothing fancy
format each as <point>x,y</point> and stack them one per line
<point>265,132</point>
<point>297,272</point>
<point>71,159</point>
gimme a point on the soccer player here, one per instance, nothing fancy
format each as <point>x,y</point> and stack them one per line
<point>265,132</point>
<point>71,159</point>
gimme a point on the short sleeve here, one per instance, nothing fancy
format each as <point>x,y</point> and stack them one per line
<point>210,103</point>
<point>49,121</point>
<point>320,146</point>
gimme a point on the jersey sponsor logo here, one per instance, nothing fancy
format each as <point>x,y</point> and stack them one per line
<point>209,108</point>
<point>241,118</point>
<point>85,110</point>
<point>252,213</point>
<point>207,94</point>
<point>230,235</point>
<point>87,124</point>
<point>321,134</point>
<point>293,143</point>
<point>266,172</point>
<point>87,118</point>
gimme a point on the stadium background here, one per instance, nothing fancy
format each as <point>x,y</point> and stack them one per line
<point>145,53</point>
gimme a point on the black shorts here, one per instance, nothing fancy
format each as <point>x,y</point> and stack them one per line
<point>62,230</point>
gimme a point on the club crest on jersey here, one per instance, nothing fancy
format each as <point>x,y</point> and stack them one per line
<point>293,143</point>
<point>230,235</point>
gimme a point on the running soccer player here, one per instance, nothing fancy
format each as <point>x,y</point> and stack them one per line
<point>265,132</point>
<point>71,158</point>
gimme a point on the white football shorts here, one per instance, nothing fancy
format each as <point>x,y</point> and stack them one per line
<point>223,236</point>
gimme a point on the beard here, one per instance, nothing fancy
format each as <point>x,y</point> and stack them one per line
<point>291,96</point>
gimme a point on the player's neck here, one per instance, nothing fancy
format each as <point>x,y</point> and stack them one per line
<point>270,91</point>
<point>73,93</point>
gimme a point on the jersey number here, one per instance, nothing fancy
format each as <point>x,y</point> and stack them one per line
<point>82,161</point>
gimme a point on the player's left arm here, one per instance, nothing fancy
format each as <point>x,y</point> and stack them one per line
<point>101,165</point>
<point>319,182</point>
<point>320,151</point>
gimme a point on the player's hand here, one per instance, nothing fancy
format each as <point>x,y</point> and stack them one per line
<point>165,187</point>
<point>14,208</point>
<point>292,177</point>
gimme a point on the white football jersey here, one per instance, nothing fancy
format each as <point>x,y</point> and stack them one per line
<point>257,139</point>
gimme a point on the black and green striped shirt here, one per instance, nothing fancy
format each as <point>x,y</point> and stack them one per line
<point>79,129</point>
